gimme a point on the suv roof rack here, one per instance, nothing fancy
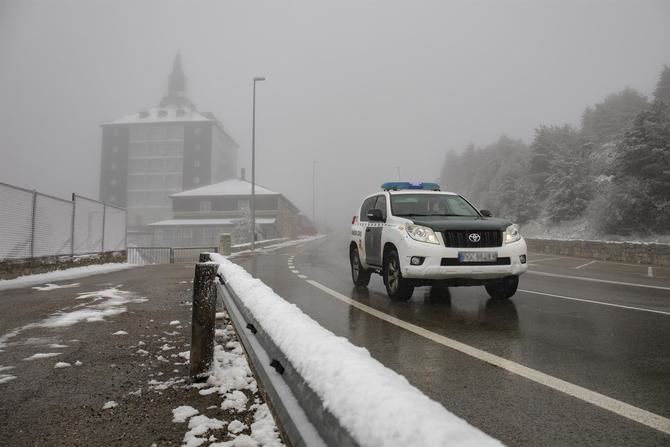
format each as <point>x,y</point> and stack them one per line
<point>397,186</point>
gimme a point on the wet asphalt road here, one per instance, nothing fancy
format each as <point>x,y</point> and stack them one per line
<point>621,350</point>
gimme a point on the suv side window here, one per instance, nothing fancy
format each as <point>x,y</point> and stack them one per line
<point>381,205</point>
<point>368,204</point>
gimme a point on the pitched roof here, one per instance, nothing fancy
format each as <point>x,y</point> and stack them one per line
<point>167,114</point>
<point>232,187</point>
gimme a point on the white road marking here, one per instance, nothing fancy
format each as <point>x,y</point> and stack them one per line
<point>643,309</point>
<point>546,259</point>
<point>620,408</point>
<point>296,271</point>
<point>621,283</point>
<point>650,272</point>
<point>584,265</point>
<point>302,276</point>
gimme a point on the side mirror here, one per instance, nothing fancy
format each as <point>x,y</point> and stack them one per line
<point>485,213</point>
<point>375,215</point>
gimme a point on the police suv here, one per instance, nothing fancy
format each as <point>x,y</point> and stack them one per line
<point>413,235</point>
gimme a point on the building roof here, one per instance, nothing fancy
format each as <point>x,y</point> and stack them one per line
<point>167,114</point>
<point>232,187</point>
<point>192,222</point>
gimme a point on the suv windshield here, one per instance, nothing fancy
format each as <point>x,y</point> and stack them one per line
<point>431,205</point>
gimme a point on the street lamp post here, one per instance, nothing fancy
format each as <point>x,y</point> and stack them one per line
<point>253,168</point>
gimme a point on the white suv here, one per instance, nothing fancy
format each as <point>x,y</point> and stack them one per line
<point>415,235</point>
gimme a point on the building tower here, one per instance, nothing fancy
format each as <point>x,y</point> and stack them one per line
<point>156,152</point>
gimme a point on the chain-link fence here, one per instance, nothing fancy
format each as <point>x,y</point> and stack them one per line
<point>33,224</point>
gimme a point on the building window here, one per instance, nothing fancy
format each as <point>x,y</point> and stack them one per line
<point>197,131</point>
<point>196,147</point>
<point>113,182</point>
<point>115,132</point>
<point>243,204</point>
<point>112,199</point>
<point>115,148</point>
<point>205,205</point>
<point>196,163</point>
<point>196,180</point>
<point>113,166</point>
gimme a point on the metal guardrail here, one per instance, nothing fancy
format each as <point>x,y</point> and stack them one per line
<point>304,419</point>
<point>166,255</point>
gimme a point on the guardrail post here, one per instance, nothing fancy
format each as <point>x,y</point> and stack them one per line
<point>104,216</point>
<point>203,322</point>
<point>74,215</point>
<point>172,258</point>
<point>32,225</point>
<point>224,244</point>
<point>204,257</point>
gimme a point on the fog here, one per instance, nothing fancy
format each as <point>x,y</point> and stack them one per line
<point>358,89</point>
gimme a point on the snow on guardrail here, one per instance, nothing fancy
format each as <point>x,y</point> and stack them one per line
<point>375,405</point>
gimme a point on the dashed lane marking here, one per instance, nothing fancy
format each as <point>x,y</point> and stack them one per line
<point>606,281</point>
<point>584,265</point>
<point>302,276</point>
<point>546,259</point>
<point>618,407</point>
<point>296,271</point>
<point>583,300</point>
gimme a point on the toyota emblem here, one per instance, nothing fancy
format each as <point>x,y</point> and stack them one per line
<point>474,237</point>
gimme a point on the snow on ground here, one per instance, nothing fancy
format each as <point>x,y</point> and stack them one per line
<point>50,286</point>
<point>376,405</point>
<point>182,413</point>
<point>61,275</point>
<point>4,378</point>
<point>41,355</point>
<point>62,365</point>
<point>120,333</point>
<point>174,323</point>
<point>109,405</point>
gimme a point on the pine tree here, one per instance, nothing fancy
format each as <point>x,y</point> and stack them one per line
<point>610,119</point>
<point>662,92</point>
<point>641,198</point>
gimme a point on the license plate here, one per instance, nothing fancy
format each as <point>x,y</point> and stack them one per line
<point>477,256</point>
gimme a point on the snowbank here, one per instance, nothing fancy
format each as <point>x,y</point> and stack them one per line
<point>375,404</point>
<point>60,275</point>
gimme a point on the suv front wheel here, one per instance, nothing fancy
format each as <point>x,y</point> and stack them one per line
<point>397,287</point>
<point>502,288</point>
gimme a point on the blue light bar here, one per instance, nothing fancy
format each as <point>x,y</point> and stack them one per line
<point>397,186</point>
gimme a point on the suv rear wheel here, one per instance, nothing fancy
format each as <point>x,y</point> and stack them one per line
<point>503,288</point>
<point>359,275</point>
<point>397,287</point>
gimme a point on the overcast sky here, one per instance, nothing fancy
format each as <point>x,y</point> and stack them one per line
<point>359,87</point>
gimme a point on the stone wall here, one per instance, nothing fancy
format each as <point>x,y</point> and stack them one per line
<point>13,268</point>
<point>628,252</point>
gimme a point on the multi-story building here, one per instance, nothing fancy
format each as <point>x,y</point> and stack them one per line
<point>150,155</point>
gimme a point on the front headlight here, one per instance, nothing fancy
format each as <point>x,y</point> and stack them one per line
<point>512,234</point>
<point>422,234</point>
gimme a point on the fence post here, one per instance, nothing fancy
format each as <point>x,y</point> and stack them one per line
<point>224,244</point>
<point>204,257</point>
<point>32,226</point>
<point>203,320</point>
<point>172,257</point>
<point>74,209</point>
<point>102,242</point>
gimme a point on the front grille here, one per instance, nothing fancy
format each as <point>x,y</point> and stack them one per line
<point>454,262</point>
<point>460,238</point>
